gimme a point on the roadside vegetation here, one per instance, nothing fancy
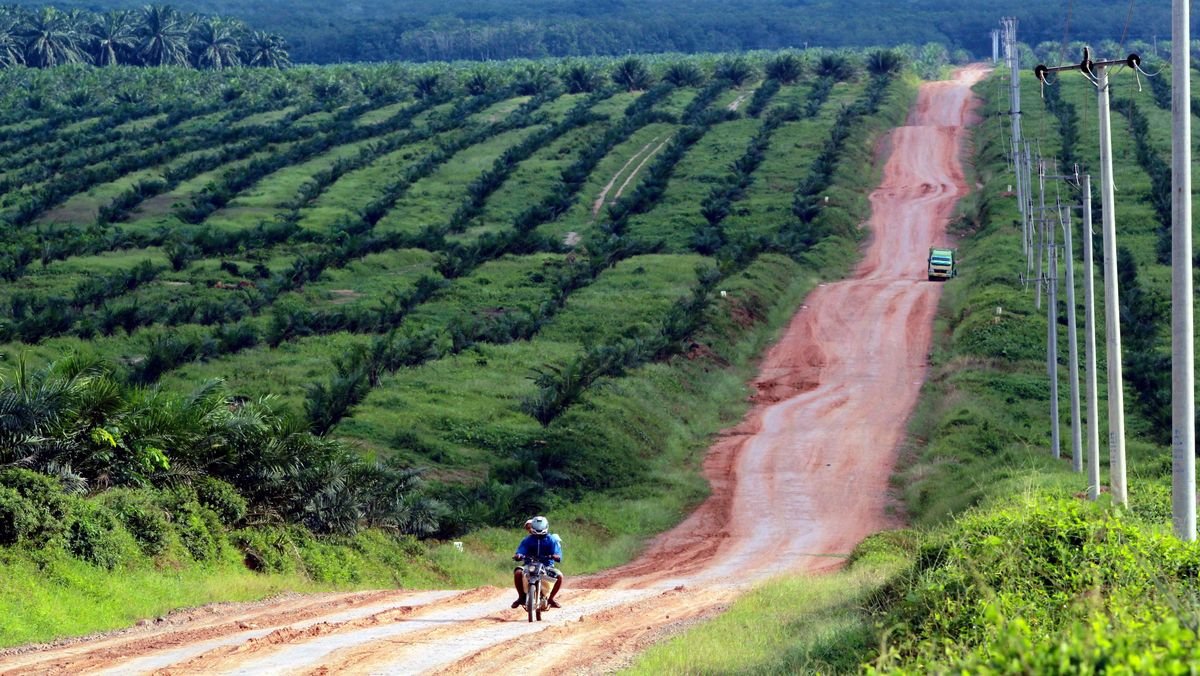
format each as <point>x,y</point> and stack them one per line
<point>1007,568</point>
<point>312,324</point>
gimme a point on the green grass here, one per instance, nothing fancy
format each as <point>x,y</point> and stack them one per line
<point>283,372</point>
<point>531,180</point>
<point>426,202</point>
<point>786,626</point>
<point>365,281</point>
<point>264,118</point>
<point>52,596</point>
<point>676,217</point>
<point>359,187</point>
<point>407,415</point>
<point>635,293</point>
<point>768,201</point>
<point>83,208</point>
<point>677,101</point>
<point>617,167</point>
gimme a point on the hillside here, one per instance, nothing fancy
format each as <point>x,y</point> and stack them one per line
<point>434,301</point>
<point>375,30</point>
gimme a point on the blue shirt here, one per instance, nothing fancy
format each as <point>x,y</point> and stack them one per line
<point>540,548</point>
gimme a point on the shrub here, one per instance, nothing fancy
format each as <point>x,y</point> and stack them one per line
<point>1052,563</point>
<point>267,549</point>
<point>141,515</point>
<point>330,562</point>
<point>222,498</point>
<point>95,536</point>
<point>198,527</point>
<point>18,518</point>
<point>33,509</point>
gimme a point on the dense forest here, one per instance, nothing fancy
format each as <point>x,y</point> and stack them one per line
<point>421,30</point>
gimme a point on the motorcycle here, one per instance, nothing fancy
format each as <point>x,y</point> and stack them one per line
<point>536,598</point>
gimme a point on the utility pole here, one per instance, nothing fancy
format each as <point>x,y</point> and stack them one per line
<point>1041,231</point>
<point>1097,71</point>
<point>1112,303</point>
<point>995,45</point>
<point>1089,343</point>
<point>1183,397</point>
<point>1014,103</point>
<point>1072,343</point>
<point>1051,325</point>
<point>1026,180</point>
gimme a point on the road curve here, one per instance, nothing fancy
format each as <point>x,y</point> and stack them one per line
<point>796,485</point>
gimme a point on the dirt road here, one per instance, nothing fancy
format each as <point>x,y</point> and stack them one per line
<point>795,486</point>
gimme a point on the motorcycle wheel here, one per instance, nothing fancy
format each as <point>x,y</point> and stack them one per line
<point>532,600</point>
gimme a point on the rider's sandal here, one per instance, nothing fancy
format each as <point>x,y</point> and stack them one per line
<point>553,603</point>
<point>519,602</point>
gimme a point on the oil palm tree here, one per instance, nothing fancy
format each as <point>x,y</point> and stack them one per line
<point>738,71</point>
<point>683,74</point>
<point>12,52</point>
<point>163,36</point>
<point>266,50</point>
<point>786,68</point>
<point>835,66</point>
<point>50,39</point>
<point>581,78</point>
<point>884,62</point>
<point>480,81</point>
<point>631,75</point>
<point>215,44</point>
<point>113,38</point>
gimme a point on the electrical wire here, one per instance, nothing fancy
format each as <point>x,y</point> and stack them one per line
<point>1062,52</point>
<point>1125,31</point>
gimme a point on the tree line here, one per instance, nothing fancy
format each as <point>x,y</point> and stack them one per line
<point>155,35</point>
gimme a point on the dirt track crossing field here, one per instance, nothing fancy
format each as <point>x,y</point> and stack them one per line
<point>808,466</point>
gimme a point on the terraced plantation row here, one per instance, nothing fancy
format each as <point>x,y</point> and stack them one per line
<point>439,272</point>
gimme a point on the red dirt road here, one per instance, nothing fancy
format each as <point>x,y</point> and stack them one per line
<point>796,486</point>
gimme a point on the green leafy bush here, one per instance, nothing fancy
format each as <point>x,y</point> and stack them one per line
<point>140,513</point>
<point>198,528</point>
<point>94,535</point>
<point>17,517</point>
<point>1051,562</point>
<point>33,507</point>
<point>222,498</point>
<point>267,549</point>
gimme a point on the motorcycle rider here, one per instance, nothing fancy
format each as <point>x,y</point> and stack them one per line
<point>529,529</point>
<point>540,546</point>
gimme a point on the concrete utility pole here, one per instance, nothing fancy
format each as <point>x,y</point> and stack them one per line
<point>1097,71</point>
<point>1089,330</point>
<point>1014,102</point>
<point>1051,328</point>
<point>1183,396</point>
<point>1041,231</point>
<point>1112,309</point>
<point>1072,342</point>
<point>1025,175</point>
<point>995,45</point>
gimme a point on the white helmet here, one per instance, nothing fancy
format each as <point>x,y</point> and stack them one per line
<point>539,525</point>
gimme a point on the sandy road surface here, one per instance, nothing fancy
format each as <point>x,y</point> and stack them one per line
<point>795,486</point>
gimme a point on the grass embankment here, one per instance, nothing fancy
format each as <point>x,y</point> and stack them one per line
<point>1007,568</point>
